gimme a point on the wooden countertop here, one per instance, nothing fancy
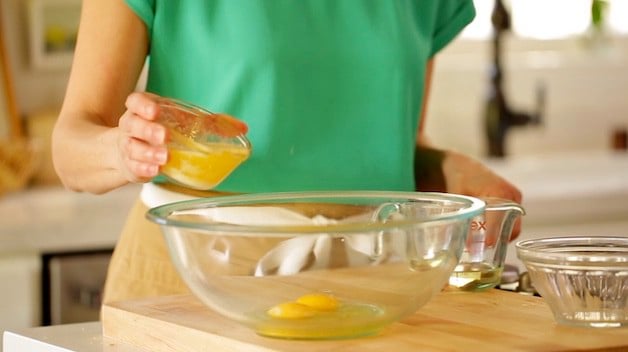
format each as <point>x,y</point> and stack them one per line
<point>452,321</point>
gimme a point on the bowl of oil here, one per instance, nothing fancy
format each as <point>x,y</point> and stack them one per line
<point>203,147</point>
<point>317,265</point>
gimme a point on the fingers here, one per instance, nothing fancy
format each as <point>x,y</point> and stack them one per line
<point>487,183</point>
<point>143,133</point>
<point>138,151</point>
<point>504,191</point>
<point>466,176</point>
<point>136,126</point>
<point>141,141</point>
<point>142,160</point>
<point>139,160</point>
<point>509,191</point>
<point>149,106</point>
<point>145,105</point>
<point>516,230</point>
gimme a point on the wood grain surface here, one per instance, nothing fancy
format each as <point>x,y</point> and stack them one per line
<point>452,321</point>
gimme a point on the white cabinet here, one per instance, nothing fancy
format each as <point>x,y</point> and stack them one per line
<point>20,290</point>
<point>50,220</point>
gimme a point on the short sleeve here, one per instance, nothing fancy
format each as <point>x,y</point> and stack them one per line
<point>451,18</point>
<point>145,10</point>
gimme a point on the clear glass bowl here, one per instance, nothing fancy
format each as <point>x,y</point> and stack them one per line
<point>584,280</point>
<point>203,148</point>
<point>317,265</point>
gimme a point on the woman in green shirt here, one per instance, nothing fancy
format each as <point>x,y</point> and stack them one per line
<point>332,92</point>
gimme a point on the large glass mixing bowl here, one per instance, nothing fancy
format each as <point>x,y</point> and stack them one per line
<point>317,265</point>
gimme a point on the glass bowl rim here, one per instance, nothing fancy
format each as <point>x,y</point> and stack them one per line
<point>568,250</point>
<point>198,112</point>
<point>183,105</point>
<point>160,214</point>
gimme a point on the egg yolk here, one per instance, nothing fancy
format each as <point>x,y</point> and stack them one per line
<point>319,301</point>
<point>291,310</point>
<point>305,306</point>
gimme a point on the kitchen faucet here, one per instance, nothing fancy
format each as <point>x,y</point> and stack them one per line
<point>499,116</point>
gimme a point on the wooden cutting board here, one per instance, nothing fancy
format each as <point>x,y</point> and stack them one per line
<point>452,321</point>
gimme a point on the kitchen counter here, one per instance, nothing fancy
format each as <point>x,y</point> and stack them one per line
<point>53,219</point>
<point>39,225</point>
<point>82,337</point>
<point>569,187</point>
<point>568,194</point>
<point>452,321</point>
<point>564,194</point>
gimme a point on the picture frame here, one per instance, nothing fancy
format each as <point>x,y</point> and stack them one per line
<point>53,27</point>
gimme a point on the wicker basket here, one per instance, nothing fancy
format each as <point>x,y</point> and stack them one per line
<point>19,159</point>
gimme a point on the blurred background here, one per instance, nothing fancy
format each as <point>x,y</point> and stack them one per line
<point>553,45</point>
<point>534,88</point>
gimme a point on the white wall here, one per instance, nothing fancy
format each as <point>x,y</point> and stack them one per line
<point>35,89</point>
<point>20,290</point>
<point>585,94</point>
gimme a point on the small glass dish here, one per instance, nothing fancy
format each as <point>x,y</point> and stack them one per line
<point>584,280</point>
<point>203,147</point>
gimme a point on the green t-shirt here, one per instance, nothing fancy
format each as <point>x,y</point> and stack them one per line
<point>331,89</point>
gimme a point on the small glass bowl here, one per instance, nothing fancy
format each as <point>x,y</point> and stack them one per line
<point>584,280</point>
<point>203,148</point>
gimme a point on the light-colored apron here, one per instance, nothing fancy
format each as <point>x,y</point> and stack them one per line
<point>140,266</point>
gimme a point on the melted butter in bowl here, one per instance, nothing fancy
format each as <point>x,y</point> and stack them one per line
<point>202,150</point>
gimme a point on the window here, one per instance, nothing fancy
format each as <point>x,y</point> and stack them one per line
<point>548,19</point>
<point>618,16</point>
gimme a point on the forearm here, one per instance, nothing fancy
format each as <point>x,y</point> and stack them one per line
<point>453,172</point>
<point>84,155</point>
<point>106,64</point>
<point>428,161</point>
<point>428,169</point>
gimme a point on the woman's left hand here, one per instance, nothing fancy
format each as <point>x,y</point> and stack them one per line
<point>465,175</point>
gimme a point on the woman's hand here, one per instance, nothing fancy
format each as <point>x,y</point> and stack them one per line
<point>141,140</point>
<point>465,175</point>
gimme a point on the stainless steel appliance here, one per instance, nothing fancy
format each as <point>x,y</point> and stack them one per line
<point>72,286</point>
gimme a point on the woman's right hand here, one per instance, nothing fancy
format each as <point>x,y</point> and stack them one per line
<point>142,140</point>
